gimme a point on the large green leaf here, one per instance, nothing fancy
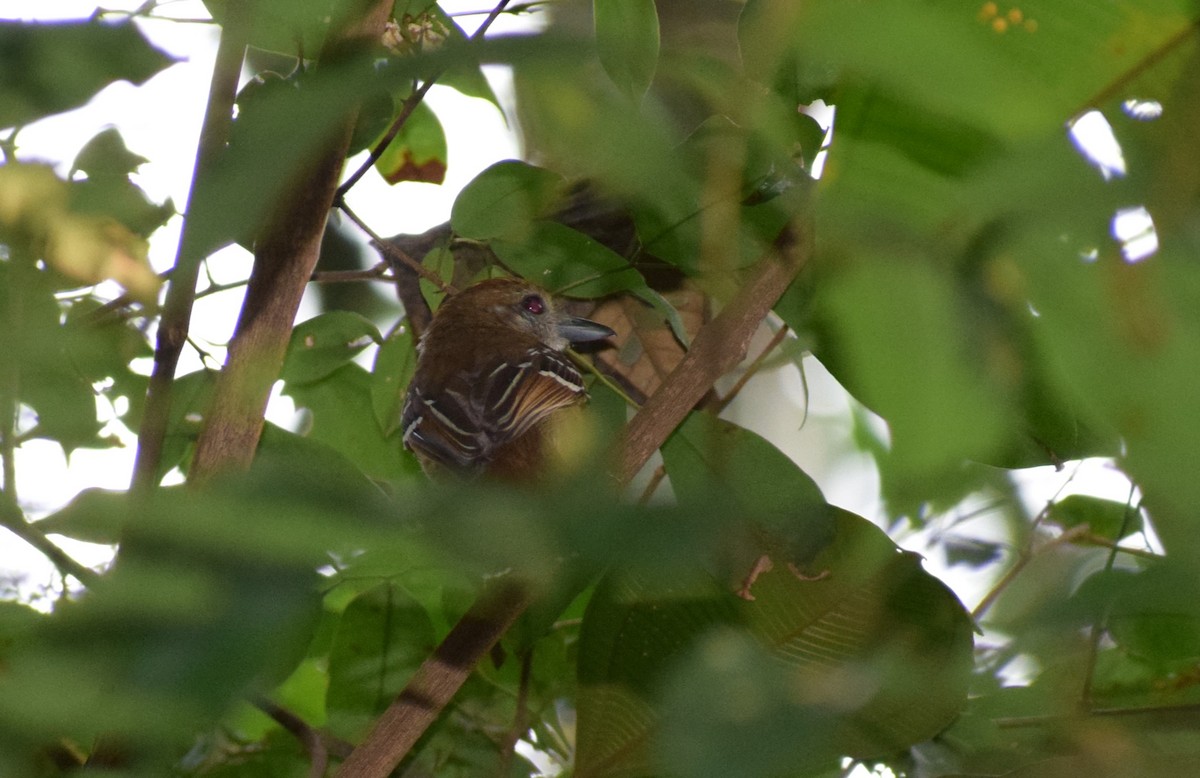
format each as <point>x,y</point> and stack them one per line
<point>57,67</point>
<point>627,43</point>
<point>503,200</point>
<point>902,350</point>
<point>873,658</point>
<point>873,652</point>
<point>381,639</point>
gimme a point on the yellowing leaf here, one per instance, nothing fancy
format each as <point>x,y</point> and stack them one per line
<point>93,249</point>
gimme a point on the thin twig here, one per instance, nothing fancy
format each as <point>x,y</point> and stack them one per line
<point>394,251</point>
<point>1101,622</point>
<point>15,522</point>
<point>317,744</point>
<point>377,272</point>
<point>751,370</point>
<point>1023,559</point>
<point>520,723</point>
<point>410,104</point>
<point>1016,722</point>
<point>520,8</point>
<point>656,478</point>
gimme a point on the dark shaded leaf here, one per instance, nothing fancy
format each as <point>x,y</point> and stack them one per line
<point>60,66</point>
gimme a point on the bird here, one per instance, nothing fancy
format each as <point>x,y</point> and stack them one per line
<point>491,372</point>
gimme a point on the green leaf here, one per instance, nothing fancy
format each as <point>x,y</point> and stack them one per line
<point>57,67</point>
<point>202,609</point>
<point>93,515</point>
<point>394,365</point>
<point>440,262</point>
<point>418,152</point>
<point>877,631</point>
<point>566,261</point>
<point>503,200</point>
<point>1104,518</point>
<point>343,418</point>
<point>381,639</point>
<point>324,343</point>
<point>898,341</point>
<point>106,156</point>
<point>289,27</point>
<point>711,461</point>
<point>1155,614</point>
<point>627,43</point>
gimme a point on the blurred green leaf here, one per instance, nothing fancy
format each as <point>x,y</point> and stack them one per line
<point>1155,614</point>
<point>876,623</point>
<point>503,200</point>
<point>627,43</point>
<point>60,66</point>
<point>106,156</point>
<point>291,27</point>
<point>1103,518</point>
<point>200,607</point>
<point>769,503</point>
<point>394,365</point>
<point>93,515</point>
<point>324,343</point>
<point>381,639</point>
<point>902,350</point>
<point>418,152</point>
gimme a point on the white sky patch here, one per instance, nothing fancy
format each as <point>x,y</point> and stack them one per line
<point>1134,229</point>
<point>1093,137</point>
<point>1142,110</point>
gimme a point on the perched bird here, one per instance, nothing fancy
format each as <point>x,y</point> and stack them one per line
<point>490,372</point>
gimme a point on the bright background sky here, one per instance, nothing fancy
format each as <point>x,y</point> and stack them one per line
<point>161,122</point>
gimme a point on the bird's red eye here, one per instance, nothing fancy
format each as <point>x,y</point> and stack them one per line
<point>534,304</point>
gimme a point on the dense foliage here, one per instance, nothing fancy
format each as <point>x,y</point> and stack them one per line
<point>960,266</point>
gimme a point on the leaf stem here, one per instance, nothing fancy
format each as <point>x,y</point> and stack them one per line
<point>410,104</point>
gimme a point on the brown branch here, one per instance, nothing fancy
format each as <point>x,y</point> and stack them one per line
<point>520,725</point>
<point>437,681</point>
<point>717,348</point>
<point>181,289</point>
<point>15,522</point>
<point>285,257</point>
<point>751,370</point>
<point>317,744</point>
<point>395,252</point>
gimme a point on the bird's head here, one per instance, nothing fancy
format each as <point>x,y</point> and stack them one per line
<point>523,308</point>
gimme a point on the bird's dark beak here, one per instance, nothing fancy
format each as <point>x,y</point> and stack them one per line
<point>577,330</point>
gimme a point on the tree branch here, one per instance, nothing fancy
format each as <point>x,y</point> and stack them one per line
<point>717,348</point>
<point>285,257</point>
<point>181,289</point>
<point>15,522</point>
